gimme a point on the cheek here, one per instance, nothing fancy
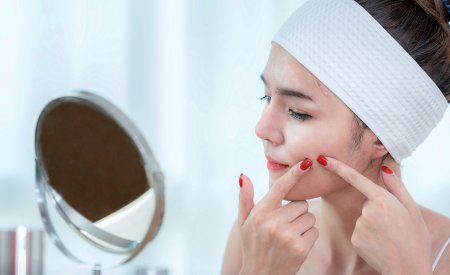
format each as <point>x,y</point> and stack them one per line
<point>310,142</point>
<point>303,143</point>
<point>318,181</point>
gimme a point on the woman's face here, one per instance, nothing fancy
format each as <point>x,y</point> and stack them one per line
<point>304,119</point>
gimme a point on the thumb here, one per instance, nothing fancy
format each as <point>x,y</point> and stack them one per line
<point>245,198</point>
<point>396,187</point>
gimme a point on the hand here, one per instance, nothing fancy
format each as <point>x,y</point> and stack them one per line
<point>390,235</point>
<point>276,239</point>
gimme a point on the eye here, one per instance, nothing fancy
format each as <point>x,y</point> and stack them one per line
<point>266,98</point>
<point>299,116</point>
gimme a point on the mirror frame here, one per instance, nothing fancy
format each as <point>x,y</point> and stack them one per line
<point>154,175</point>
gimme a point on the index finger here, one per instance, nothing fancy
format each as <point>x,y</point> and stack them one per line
<point>367,187</point>
<point>285,183</point>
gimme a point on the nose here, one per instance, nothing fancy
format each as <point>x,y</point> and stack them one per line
<point>269,126</point>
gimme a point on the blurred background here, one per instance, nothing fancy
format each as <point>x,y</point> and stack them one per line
<point>187,73</point>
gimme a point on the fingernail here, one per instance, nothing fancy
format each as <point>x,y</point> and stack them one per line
<point>386,169</point>
<point>241,181</point>
<point>322,160</point>
<point>306,163</point>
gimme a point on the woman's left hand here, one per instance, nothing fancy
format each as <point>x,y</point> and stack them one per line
<point>390,235</point>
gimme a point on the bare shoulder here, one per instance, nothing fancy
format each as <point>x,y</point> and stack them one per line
<point>232,260</point>
<point>438,224</point>
<point>439,227</point>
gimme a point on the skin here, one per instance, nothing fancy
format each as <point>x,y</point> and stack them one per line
<point>366,221</point>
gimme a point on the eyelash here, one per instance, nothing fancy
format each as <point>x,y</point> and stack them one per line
<point>266,98</point>
<point>293,114</point>
<point>299,116</point>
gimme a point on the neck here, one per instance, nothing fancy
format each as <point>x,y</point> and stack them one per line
<point>337,215</point>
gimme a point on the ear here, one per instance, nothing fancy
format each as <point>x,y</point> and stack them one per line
<point>376,147</point>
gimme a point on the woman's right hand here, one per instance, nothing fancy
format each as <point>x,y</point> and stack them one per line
<point>276,239</point>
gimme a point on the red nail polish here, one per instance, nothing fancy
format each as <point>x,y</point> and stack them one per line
<point>306,163</point>
<point>322,160</point>
<point>240,180</point>
<point>386,169</point>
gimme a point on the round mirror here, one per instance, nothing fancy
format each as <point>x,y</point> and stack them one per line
<point>96,170</point>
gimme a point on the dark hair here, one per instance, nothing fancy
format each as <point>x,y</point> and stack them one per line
<point>421,28</point>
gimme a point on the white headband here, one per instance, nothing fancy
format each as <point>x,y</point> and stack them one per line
<point>356,58</point>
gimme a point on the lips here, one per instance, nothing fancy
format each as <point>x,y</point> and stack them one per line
<point>273,165</point>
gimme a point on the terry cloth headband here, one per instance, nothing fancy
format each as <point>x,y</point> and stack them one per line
<point>342,45</point>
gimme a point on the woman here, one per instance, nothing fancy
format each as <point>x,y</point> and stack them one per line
<point>352,88</point>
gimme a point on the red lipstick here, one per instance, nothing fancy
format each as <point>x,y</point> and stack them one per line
<point>274,165</point>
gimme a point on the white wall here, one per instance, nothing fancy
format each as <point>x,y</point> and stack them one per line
<point>187,72</point>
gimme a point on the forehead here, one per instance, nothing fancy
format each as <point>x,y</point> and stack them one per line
<point>282,69</point>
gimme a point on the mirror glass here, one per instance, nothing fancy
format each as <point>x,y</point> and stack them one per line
<point>99,173</point>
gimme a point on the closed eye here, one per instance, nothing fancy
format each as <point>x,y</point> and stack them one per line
<point>292,113</point>
<point>299,116</point>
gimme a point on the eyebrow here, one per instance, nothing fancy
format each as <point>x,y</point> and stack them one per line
<point>288,92</point>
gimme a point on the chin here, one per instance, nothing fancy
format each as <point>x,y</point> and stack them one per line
<point>311,187</point>
<point>291,196</point>
<point>302,191</point>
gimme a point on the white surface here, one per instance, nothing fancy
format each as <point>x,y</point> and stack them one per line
<point>132,221</point>
<point>203,139</point>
